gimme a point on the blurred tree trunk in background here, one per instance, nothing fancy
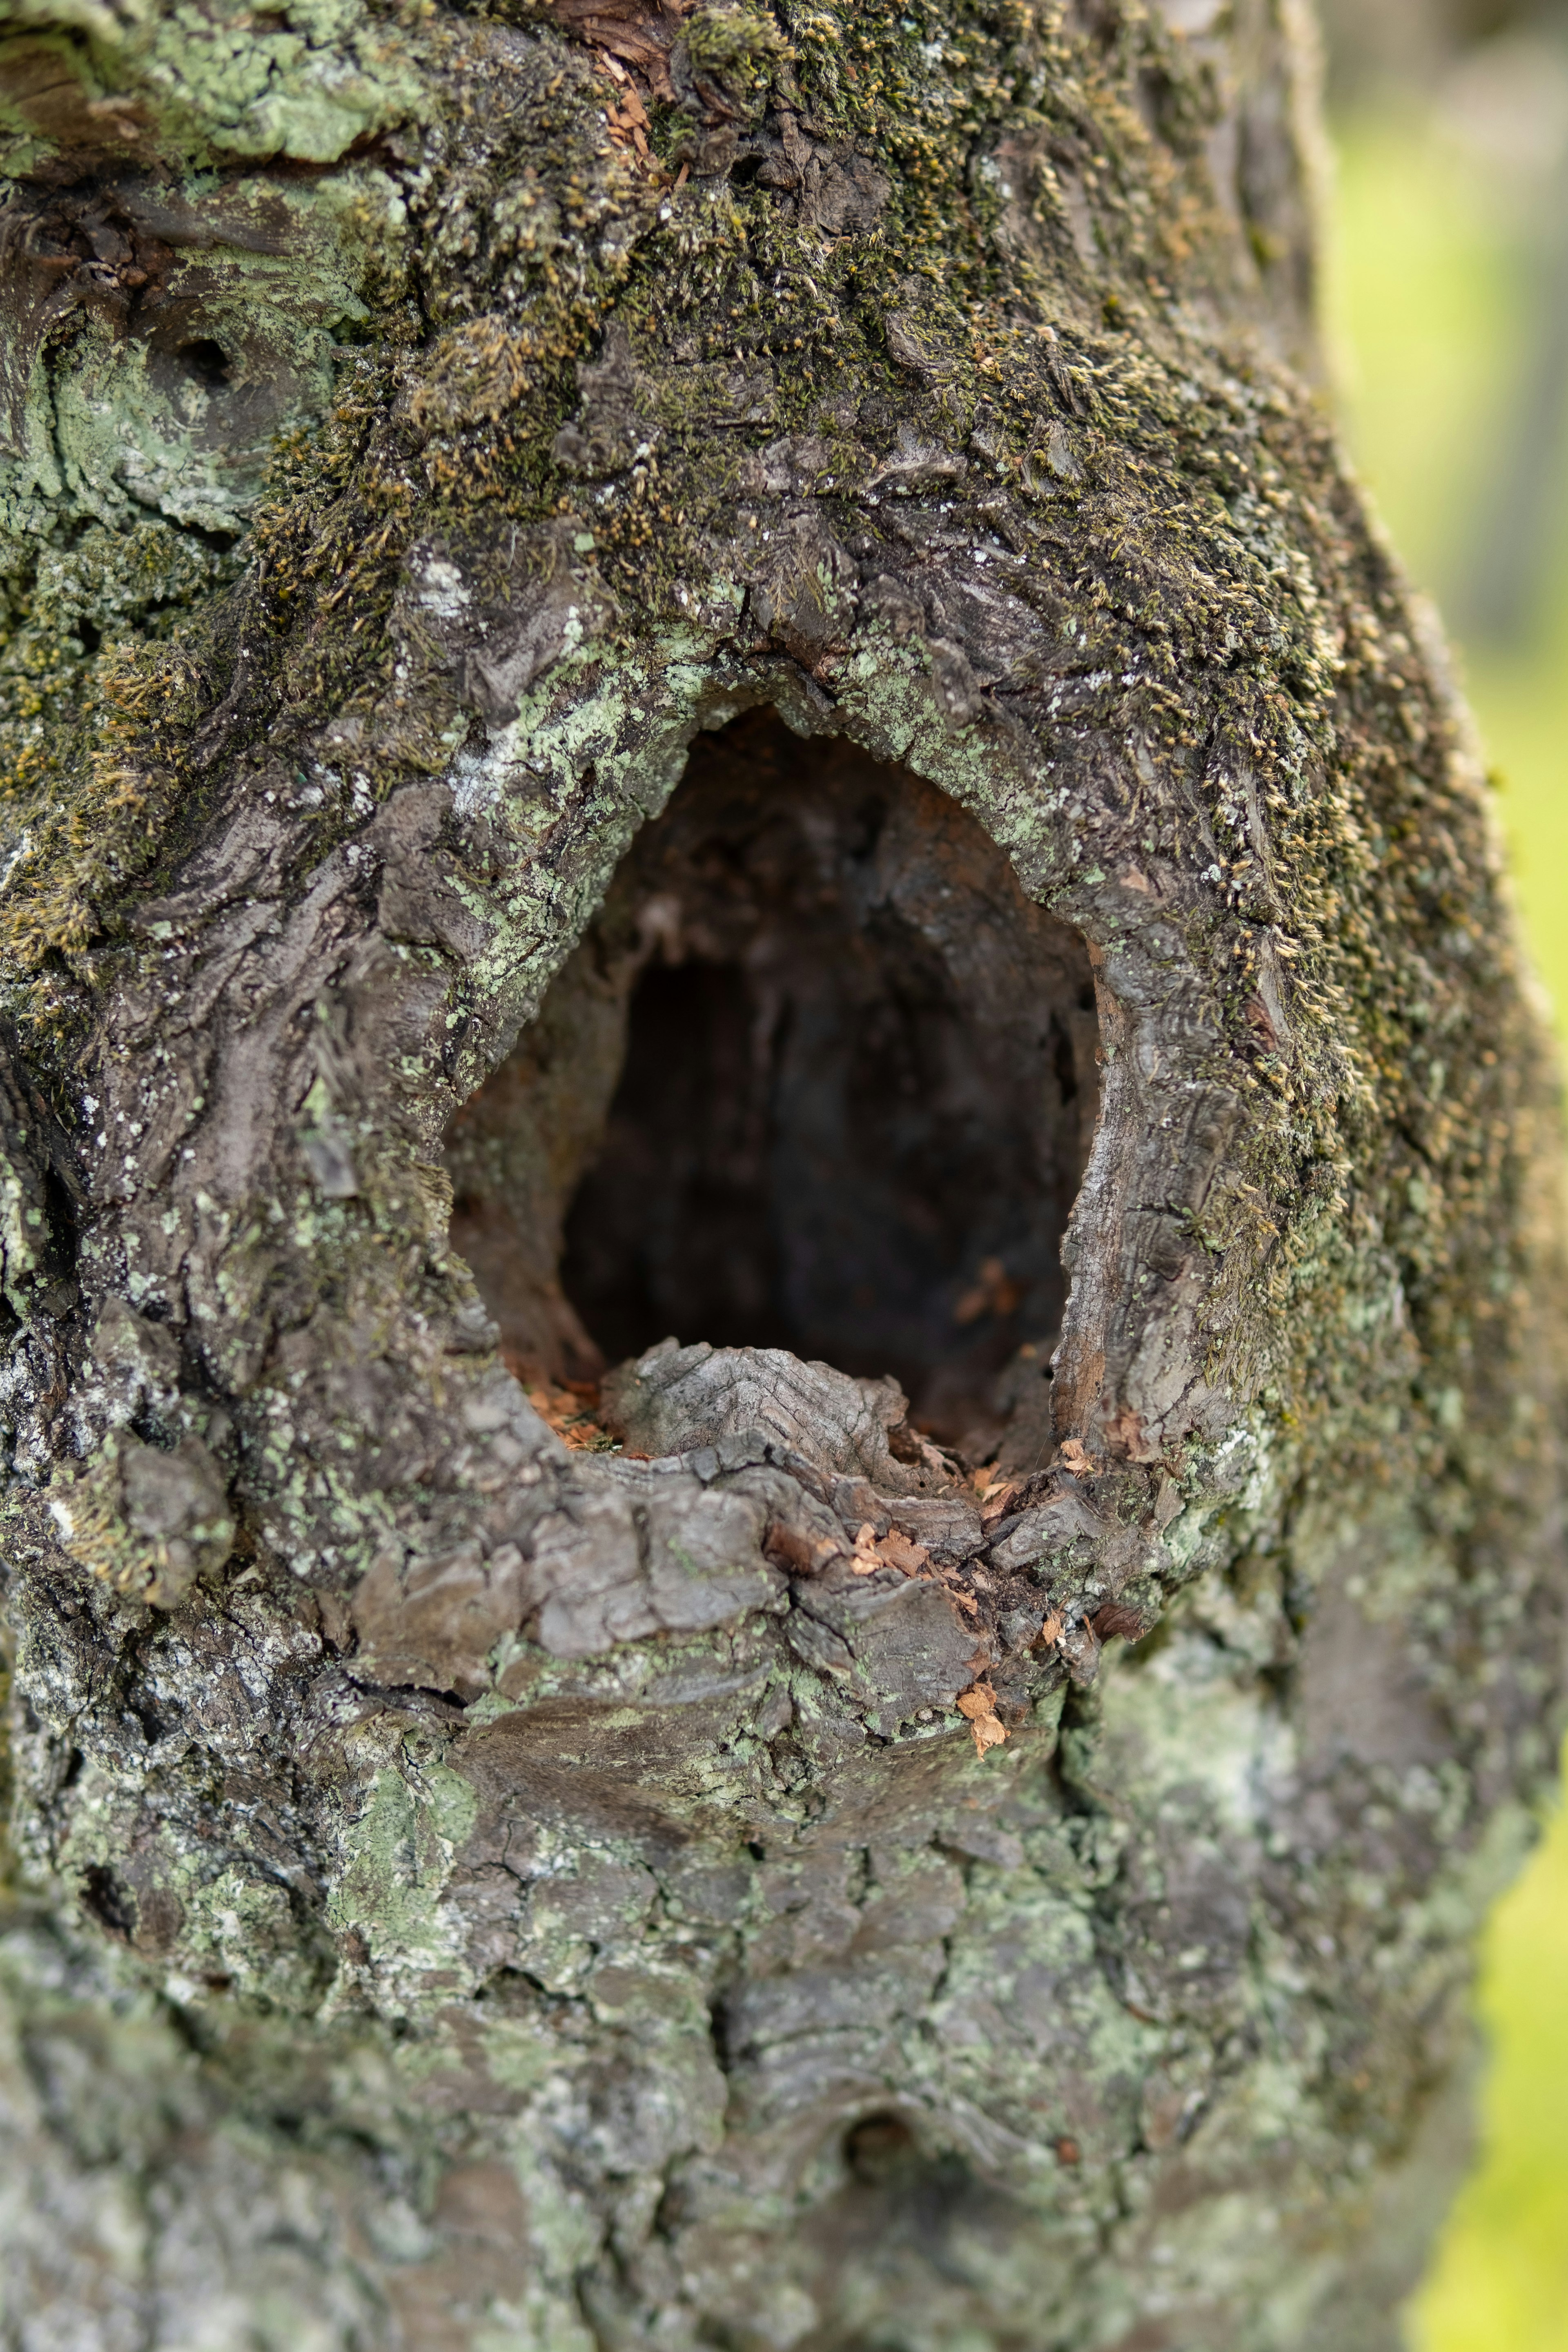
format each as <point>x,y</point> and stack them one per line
<point>697,683</point>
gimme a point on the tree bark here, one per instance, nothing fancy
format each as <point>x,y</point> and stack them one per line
<point>781,1212</point>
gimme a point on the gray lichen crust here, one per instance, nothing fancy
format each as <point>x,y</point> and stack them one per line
<point>469,1890</point>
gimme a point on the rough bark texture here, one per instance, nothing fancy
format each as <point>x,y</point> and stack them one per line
<point>720,1855</point>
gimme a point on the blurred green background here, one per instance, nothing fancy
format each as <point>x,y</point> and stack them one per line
<point>1446,300</point>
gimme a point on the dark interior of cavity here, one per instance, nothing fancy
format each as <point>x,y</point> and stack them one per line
<point>818,1077</point>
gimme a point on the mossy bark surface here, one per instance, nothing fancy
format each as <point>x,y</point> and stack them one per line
<point>721,1855</point>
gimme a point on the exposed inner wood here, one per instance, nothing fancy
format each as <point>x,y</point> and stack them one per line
<point>819,1077</point>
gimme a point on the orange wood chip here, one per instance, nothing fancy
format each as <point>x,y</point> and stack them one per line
<point>899,1551</point>
<point>868,1559</point>
<point>979,1704</point>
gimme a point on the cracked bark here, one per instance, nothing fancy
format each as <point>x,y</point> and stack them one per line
<point>780,1221</point>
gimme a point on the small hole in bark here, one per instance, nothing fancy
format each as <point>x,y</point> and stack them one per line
<point>206,361</point>
<point>109,1903</point>
<point>819,1077</point>
<point>877,2147</point>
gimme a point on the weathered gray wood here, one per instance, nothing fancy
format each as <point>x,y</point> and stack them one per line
<point>471,1889</point>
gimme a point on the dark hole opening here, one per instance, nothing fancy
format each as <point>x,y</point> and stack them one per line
<point>108,1901</point>
<point>675,1226</point>
<point>818,1077</point>
<point>206,361</point>
<point>878,2147</point>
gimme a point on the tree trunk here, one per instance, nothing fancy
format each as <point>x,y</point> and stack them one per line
<point>781,1217</point>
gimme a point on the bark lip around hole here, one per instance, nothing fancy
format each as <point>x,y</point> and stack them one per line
<point>818,1077</point>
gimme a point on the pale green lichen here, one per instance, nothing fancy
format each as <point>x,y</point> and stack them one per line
<point>204,83</point>
<point>397,1855</point>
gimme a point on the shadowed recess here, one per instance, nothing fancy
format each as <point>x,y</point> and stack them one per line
<point>818,1077</point>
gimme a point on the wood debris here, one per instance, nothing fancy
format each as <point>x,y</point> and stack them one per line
<point>979,1705</point>
<point>866,1558</point>
<point>996,1501</point>
<point>570,1410</point>
<point>893,1551</point>
<point>636,33</point>
<point>629,125</point>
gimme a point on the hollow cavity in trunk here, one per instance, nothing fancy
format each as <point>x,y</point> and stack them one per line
<point>818,1077</point>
